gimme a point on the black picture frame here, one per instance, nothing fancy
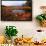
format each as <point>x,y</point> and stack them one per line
<point>9,16</point>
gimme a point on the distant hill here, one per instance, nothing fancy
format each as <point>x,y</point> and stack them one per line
<point>3,6</point>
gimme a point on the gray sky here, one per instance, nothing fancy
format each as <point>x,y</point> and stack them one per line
<point>13,3</point>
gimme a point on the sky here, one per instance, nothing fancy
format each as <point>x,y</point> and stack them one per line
<point>13,3</point>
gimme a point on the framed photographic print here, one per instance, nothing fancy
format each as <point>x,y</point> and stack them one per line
<point>16,10</point>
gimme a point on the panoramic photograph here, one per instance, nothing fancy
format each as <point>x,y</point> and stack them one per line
<point>16,11</point>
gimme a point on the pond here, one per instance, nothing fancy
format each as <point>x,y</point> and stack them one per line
<point>18,11</point>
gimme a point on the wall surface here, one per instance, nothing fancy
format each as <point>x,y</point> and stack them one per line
<point>28,28</point>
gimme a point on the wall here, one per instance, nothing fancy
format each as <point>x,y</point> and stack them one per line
<point>27,28</point>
